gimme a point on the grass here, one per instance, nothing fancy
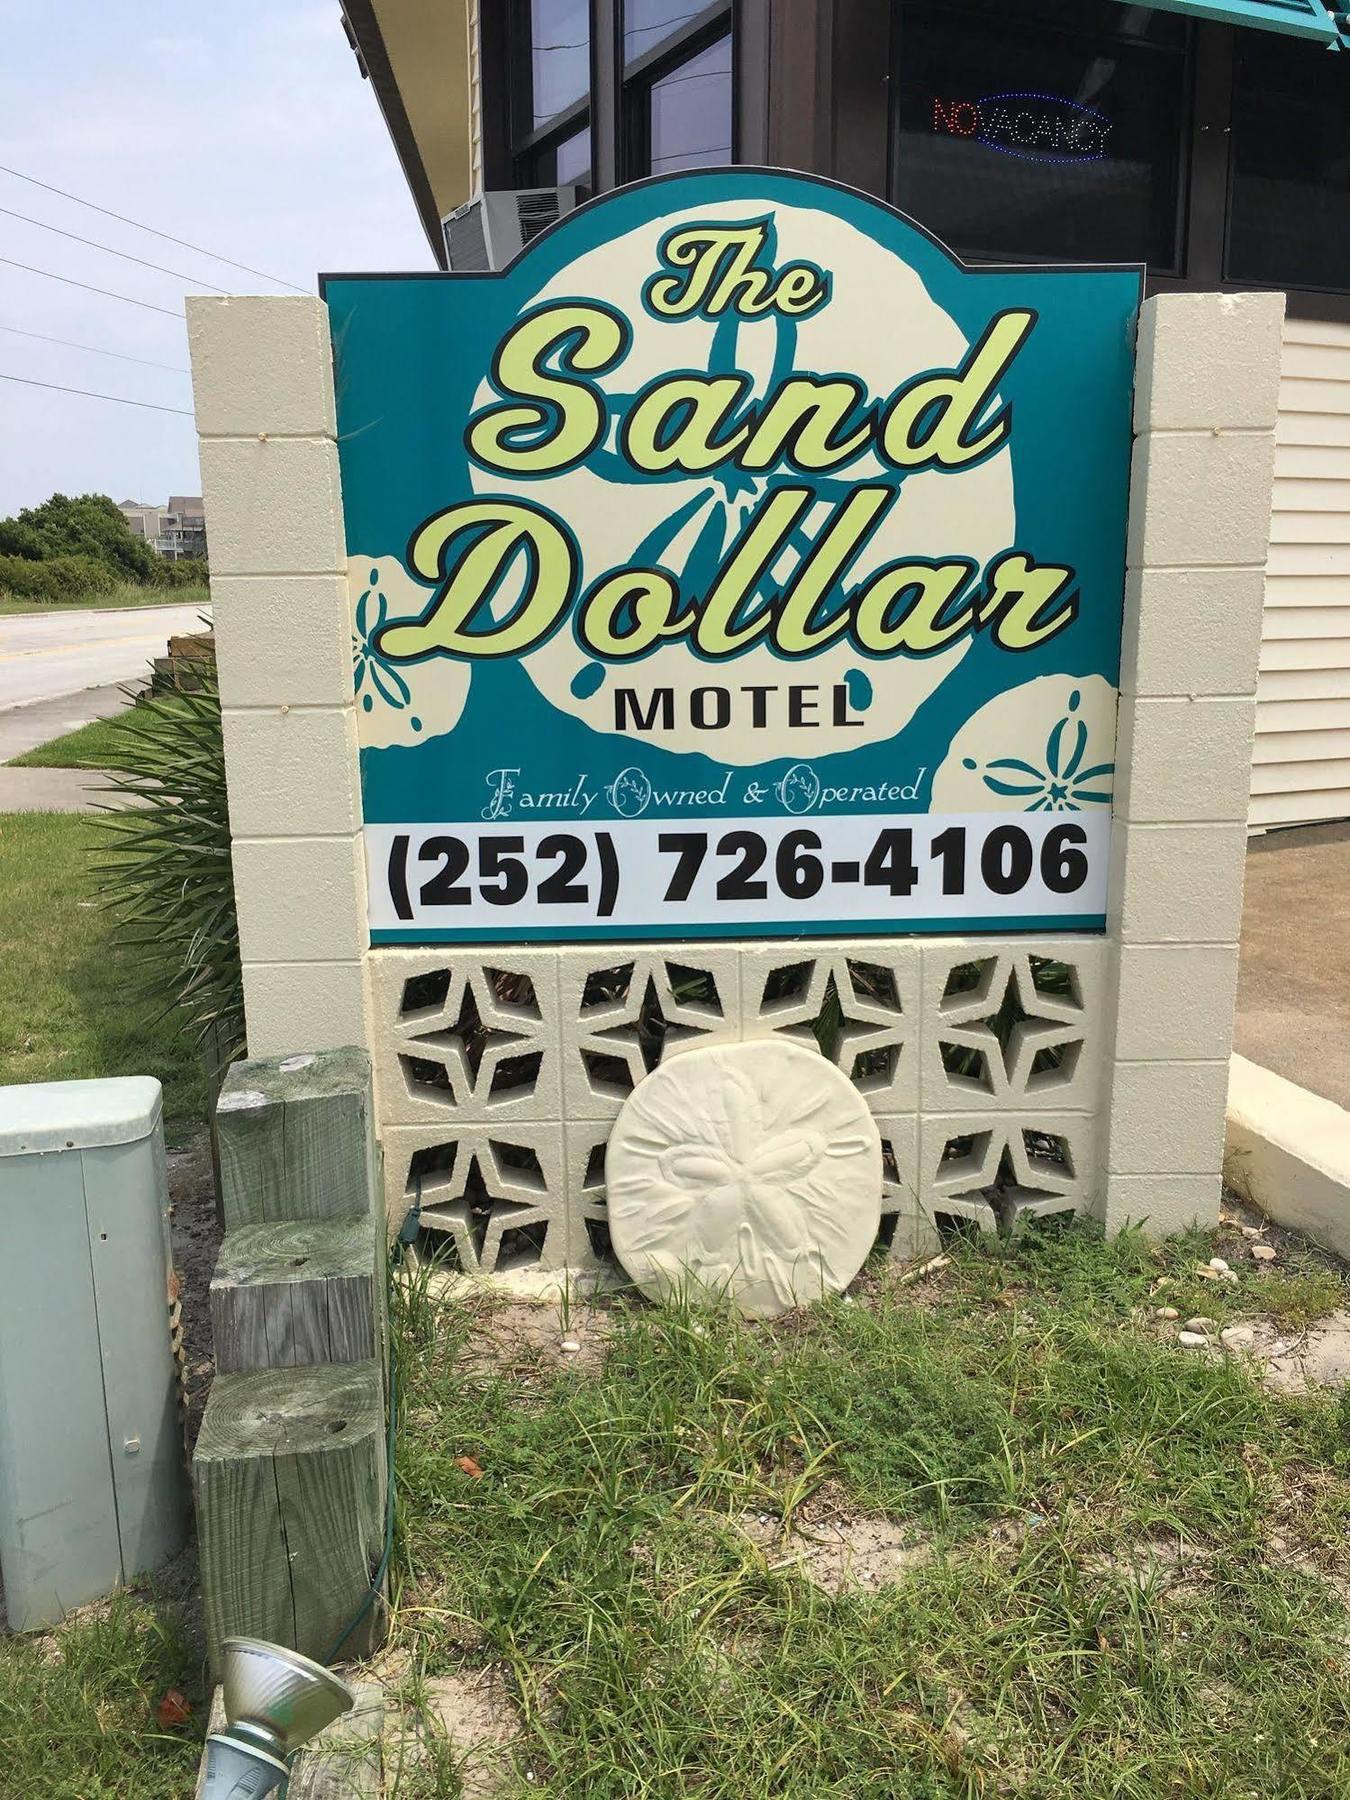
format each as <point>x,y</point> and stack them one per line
<point>78,1707</point>
<point>129,594</point>
<point>92,746</point>
<point>1132,1590</point>
<point>64,1013</point>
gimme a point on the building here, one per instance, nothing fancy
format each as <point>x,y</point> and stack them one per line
<point>176,529</point>
<point>182,527</point>
<point>1209,139</point>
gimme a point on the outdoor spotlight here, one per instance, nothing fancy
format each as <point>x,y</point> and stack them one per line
<point>275,1701</point>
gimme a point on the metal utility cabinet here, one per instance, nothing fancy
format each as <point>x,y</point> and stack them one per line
<point>92,1488</point>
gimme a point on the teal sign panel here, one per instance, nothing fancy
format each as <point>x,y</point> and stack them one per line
<point>736,563</point>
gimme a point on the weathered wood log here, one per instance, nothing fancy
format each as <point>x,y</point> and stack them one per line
<point>297,1139</point>
<point>290,1476</point>
<point>290,1294</point>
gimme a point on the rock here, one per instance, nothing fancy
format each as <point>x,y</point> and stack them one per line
<point>1192,1340</point>
<point>1205,1273</point>
<point>1263,1253</point>
<point>1217,1263</point>
<point>569,1346</point>
<point>1250,1231</point>
<point>1238,1337</point>
<point>1167,1312</point>
<point>1200,1323</point>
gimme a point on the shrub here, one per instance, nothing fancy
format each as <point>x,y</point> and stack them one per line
<point>56,579</point>
<point>188,571</point>
<point>72,546</point>
<point>167,867</point>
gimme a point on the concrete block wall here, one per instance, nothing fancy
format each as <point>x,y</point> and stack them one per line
<point>1205,402</point>
<point>263,386</point>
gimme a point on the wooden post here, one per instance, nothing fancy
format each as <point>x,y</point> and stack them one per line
<point>297,1139</point>
<point>291,1294</point>
<point>290,1485</point>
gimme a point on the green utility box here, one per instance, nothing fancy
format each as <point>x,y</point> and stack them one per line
<point>92,1489</point>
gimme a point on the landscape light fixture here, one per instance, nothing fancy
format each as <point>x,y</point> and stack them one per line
<point>275,1701</point>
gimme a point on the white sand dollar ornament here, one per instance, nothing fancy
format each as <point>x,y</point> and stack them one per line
<point>752,1167</point>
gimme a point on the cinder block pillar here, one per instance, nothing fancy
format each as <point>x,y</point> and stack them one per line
<point>263,384</point>
<point>1205,405</point>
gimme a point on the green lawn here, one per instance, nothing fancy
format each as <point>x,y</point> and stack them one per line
<point>90,746</point>
<point>1130,1581</point>
<point>64,1012</point>
<point>78,1707</point>
<point>199,594</point>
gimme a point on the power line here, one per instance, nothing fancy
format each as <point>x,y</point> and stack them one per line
<point>109,293</point>
<point>95,350</point>
<point>168,236</point>
<point>89,394</point>
<point>108,250</point>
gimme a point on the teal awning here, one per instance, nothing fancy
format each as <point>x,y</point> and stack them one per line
<point>1325,21</point>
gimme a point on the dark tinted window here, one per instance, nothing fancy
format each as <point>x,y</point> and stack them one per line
<point>691,112</point>
<point>1289,207</point>
<point>648,24</point>
<point>1030,129</point>
<point>560,67</point>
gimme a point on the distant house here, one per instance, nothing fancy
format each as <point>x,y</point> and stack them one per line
<point>176,529</point>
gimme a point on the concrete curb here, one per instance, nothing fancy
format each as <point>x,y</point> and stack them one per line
<point>1288,1152</point>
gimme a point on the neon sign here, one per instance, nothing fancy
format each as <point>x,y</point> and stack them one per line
<point>1039,127</point>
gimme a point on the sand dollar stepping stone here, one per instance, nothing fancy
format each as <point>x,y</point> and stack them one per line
<point>753,1168</point>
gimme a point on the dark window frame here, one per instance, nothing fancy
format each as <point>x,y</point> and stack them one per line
<point>714,23</point>
<point>620,93</point>
<point>526,142</point>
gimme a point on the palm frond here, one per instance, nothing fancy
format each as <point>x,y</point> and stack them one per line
<point>163,864</point>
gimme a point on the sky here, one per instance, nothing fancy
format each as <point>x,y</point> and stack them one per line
<point>240,125</point>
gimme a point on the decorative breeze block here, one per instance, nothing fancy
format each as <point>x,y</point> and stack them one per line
<point>487,1056</point>
<point>857,1002</point>
<point>469,1037</point>
<point>625,1007</point>
<point>993,1171</point>
<point>1012,1024</point>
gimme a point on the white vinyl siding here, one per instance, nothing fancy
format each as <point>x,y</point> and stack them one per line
<point>1301,763</point>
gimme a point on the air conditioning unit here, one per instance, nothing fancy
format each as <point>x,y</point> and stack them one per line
<point>491,230</point>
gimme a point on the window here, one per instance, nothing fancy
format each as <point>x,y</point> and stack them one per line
<point>560,56</point>
<point>1028,129</point>
<point>1289,200</point>
<point>678,95</point>
<point>690,113</point>
<point>649,24</point>
<point>675,110</point>
<point>550,60</point>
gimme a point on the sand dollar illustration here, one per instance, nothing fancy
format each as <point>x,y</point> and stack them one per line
<point>1046,746</point>
<point>397,702</point>
<point>750,1168</point>
<point>881,325</point>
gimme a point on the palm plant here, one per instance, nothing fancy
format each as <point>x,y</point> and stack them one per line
<point>164,860</point>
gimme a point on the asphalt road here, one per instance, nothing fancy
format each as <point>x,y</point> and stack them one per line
<point>46,655</point>
<point>60,670</point>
